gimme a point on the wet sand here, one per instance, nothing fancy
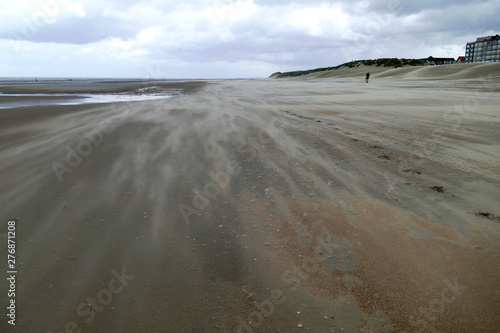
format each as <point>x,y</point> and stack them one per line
<point>324,205</point>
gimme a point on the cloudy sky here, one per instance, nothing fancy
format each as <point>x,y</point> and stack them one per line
<point>228,38</point>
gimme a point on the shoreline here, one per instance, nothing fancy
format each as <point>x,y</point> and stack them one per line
<point>92,87</point>
<point>74,93</point>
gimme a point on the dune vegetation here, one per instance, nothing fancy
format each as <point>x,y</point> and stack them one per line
<point>385,62</point>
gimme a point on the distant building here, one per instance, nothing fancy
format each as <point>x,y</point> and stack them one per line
<point>484,49</point>
<point>439,61</point>
<point>460,60</point>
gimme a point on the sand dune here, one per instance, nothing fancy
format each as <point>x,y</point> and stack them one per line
<point>449,72</point>
<point>261,206</point>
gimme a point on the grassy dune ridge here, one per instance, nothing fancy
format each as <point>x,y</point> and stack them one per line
<point>477,71</point>
<point>385,62</point>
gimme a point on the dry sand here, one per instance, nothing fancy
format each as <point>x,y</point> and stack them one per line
<point>319,205</point>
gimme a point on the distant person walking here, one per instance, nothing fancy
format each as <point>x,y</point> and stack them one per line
<point>367,77</point>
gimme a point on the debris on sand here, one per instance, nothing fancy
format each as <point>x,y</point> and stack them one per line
<point>412,171</point>
<point>439,189</point>
<point>487,215</point>
<point>385,157</point>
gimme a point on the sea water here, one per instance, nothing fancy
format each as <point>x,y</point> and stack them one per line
<point>147,91</point>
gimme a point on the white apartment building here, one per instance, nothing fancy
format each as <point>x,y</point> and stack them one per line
<point>484,49</point>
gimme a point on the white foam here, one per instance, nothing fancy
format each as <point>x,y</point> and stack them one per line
<point>142,94</point>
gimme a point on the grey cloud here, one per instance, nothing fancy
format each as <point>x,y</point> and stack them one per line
<point>277,50</point>
<point>271,3</point>
<point>76,31</point>
<point>270,36</point>
<point>460,20</point>
<point>404,7</point>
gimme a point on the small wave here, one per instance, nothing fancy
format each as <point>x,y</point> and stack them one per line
<point>142,94</point>
<point>153,91</point>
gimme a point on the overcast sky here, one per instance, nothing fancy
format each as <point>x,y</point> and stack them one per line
<point>227,38</point>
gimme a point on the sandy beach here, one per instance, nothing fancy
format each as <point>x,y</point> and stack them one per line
<point>316,204</point>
